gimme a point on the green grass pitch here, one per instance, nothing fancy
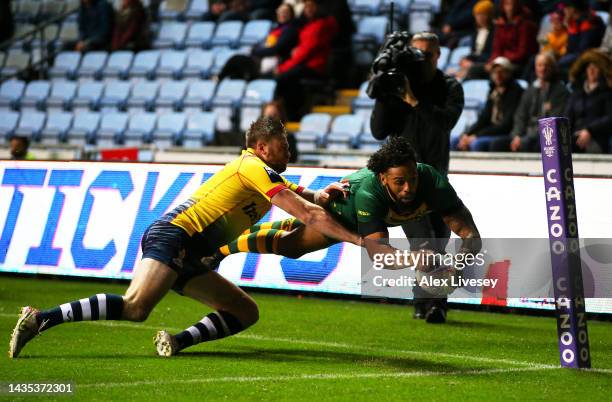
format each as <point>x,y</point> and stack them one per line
<point>301,349</point>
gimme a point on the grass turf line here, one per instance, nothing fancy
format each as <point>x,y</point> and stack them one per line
<point>302,349</point>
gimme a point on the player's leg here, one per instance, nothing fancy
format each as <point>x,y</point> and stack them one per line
<point>234,311</point>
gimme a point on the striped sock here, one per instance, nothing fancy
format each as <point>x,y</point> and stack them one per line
<point>286,224</point>
<point>263,241</point>
<point>99,307</point>
<point>215,325</point>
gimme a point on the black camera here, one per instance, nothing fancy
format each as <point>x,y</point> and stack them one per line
<point>396,61</point>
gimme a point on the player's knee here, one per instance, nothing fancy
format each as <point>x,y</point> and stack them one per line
<point>247,312</point>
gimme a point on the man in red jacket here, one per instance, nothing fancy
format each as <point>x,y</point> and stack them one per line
<point>308,59</point>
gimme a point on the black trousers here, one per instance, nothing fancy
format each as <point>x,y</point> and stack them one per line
<point>289,89</point>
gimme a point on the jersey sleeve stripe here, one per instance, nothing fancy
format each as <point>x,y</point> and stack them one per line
<point>272,192</point>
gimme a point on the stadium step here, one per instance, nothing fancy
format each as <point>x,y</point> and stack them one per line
<point>334,110</point>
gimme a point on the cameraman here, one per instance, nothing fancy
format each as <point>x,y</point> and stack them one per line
<point>424,108</point>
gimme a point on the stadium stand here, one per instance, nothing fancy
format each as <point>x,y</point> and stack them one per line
<point>313,129</point>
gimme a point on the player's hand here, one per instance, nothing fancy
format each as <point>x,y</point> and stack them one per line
<point>423,260</point>
<point>515,144</point>
<point>331,192</point>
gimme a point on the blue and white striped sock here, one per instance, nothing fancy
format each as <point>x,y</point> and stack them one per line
<point>99,307</point>
<point>215,325</point>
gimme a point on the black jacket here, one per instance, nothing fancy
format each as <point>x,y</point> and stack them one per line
<point>592,111</point>
<point>428,125</point>
<point>96,24</point>
<point>509,103</point>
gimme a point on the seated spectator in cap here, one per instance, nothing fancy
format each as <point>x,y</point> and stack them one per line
<point>545,97</point>
<point>280,41</point>
<point>18,147</point>
<point>131,30</point>
<point>556,39</point>
<point>457,23</point>
<point>514,38</point>
<point>496,119</point>
<point>95,22</point>
<point>481,41</point>
<point>308,59</point>
<point>589,108</point>
<point>585,31</point>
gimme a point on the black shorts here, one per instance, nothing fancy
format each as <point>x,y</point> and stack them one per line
<point>171,245</point>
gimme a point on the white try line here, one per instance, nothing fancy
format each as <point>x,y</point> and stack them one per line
<point>337,345</point>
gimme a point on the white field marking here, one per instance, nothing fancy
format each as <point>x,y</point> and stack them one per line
<point>338,345</point>
<point>321,376</point>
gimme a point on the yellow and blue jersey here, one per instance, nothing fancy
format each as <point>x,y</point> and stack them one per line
<point>231,201</point>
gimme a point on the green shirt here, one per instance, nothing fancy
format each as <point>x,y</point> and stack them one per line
<point>369,208</point>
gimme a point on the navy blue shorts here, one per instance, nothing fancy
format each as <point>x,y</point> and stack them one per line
<point>171,245</point>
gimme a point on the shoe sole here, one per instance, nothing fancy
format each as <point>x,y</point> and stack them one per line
<point>13,344</point>
<point>163,344</point>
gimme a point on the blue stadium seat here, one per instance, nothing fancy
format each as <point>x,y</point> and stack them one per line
<point>65,65</point>
<point>35,95</point>
<point>222,55</point>
<point>475,93</point>
<point>171,35</point>
<point>196,9</point>
<point>140,128</point>
<point>366,141</point>
<point>143,95</point>
<point>443,60</point>
<point>199,64</point>
<point>419,16</point>
<point>344,132</point>
<point>169,129</point>
<point>50,33</point>
<point>92,65</point>
<point>171,64</point>
<point>171,94</point>
<point>227,33</point>
<point>400,6</point>
<point>115,96</point>
<point>371,30</point>
<point>226,101</point>
<point>31,124</point>
<point>145,64</point>
<point>83,128</point>
<point>455,57</point>
<point>112,127</point>
<point>255,32</point>
<point>200,34</point>
<point>199,96</point>
<point>461,125</point>
<point>11,92</point>
<point>524,84</point>
<point>16,61</point>
<point>68,32</point>
<point>200,130</point>
<point>56,128</point>
<point>172,10</point>
<point>363,104</point>
<point>52,8</point>
<point>313,129</point>
<point>88,96</point>
<point>118,65</point>
<point>22,29</point>
<point>8,122</point>
<point>27,11</point>
<point>257,94</point>
<point>62,93</point>
<point>365,7</point>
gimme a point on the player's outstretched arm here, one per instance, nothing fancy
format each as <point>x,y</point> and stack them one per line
<point>377,244</point>
<point>323,196</point>
<point>313,215</point>
<point>462,224</point>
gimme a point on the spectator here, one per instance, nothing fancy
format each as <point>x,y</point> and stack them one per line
<point>232,10</point>
<point>275,110</point>
<point>280,41</point>
<point>514,38</point>
<point>556,39</point>
<point>95,22</point>
<point>496,119</point>
<point>7,24</point>
<point>308,59</point>
<point>545,97</point>
<point>18,147</point>
<point>589,108</point>
<point>481,41</point>
<point>457,23</point>
<point>585,31</point>
<point>215,10</point>
<point>131,31</point>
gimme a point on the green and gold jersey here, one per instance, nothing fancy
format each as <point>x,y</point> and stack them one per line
<point>369,208</point>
